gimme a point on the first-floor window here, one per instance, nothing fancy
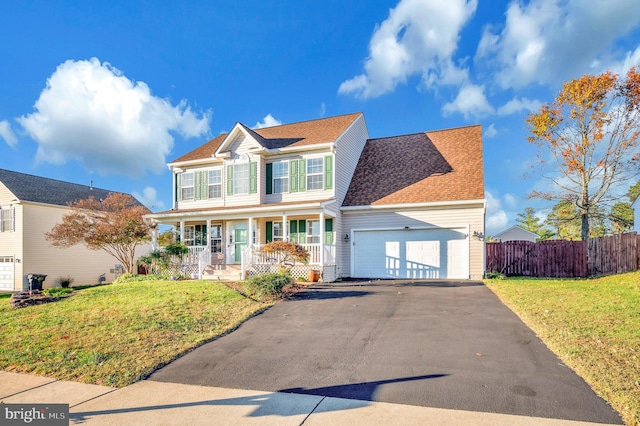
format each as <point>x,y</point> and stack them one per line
<point>189,235</point>
<point>187,186</point>
<point>315,176</point>
<point>215,183</point>
<point>278,233</point>
<point>216,238</point>
<point>7,222</point>
<point>313,232</point>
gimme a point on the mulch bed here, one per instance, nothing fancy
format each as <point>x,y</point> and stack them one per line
<point>35,297</point>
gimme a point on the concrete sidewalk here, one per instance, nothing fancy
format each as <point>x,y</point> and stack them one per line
<point>156,403</point>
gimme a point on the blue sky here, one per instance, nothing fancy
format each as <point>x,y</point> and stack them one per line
<point>110,91</point>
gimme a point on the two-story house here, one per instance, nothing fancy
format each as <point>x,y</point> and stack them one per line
<point>29,207</point>
<point>400,207</point>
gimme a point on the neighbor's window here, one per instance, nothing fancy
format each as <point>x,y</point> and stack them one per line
<point>7,222</point>
<point>315,177</point>
<point>215,183</point>
<point>186,186</point>
<point>280,177</point>
<point>313,232</point>
<point>241,178</point>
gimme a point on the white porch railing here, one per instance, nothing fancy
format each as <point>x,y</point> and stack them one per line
<point>193,256</point>
<point>204,259</point>
<point>253,256</point>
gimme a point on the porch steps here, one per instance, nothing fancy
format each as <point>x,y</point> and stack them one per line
<point>222,273</point>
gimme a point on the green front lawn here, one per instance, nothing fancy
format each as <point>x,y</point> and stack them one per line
<point>593,325</point>
<point>118,334</point>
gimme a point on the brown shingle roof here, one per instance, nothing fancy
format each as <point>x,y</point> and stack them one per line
<point>443,165</point>
<point>323,130</point>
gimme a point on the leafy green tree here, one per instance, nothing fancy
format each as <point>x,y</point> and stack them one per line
<point>621,217</point>
<point>545,234</point>
<point>634,192</point>
<point>529,221</point>
<point>590,132</point>
<point>564,219</point>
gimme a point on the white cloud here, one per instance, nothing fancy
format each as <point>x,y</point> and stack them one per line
<point>149,198</point>
<point>548,41</point>
<point>267,121</point>
<point>516,105</point>
<point>323,109</point>
<point>89,111</point>
<point>491,131</point>
<point>7,134</point>
<point>496,216</point>
<point>510,200</point>
<point>471,102</point>
<point>418,37</point>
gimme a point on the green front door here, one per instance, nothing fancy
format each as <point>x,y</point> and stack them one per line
<point>240,241</point>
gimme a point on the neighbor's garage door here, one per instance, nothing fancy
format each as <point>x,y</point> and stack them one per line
<point>6,272</point>
<point>414,253</point>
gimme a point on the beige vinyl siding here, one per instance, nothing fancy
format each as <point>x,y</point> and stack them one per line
<point>444,217</point>
<point>348,149</point>
<point>84,265</point>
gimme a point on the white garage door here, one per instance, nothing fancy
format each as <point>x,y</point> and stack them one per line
<point>6,272</point>
<point>410,254</point>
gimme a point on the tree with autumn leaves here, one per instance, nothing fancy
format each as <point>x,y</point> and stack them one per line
<point>589,137</point>
<point>114,225</point>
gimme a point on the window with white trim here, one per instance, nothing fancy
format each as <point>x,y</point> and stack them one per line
<point>187,190</point>
<point>315,175</point>
<point>241,178</point>
<point>313,232</point>
<point>215,183</point>
<point>216,238</point>
<point>280,177</point>
<point>277,231</point>
<point>7,219</point>
<point>189,235</point>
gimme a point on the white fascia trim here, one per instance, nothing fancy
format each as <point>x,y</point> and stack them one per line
<point>298,208</point>
<point>415,205</point>
<point>314,147</point>
<point>176,166</point>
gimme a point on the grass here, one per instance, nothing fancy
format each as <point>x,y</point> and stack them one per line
<point>118,334</point>
<point>593,325</point>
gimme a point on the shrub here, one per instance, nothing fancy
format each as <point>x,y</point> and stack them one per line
<point>57,291</point>
<point>286,253</point>
<point>267,285</point>
<point>495,276</point>
<point>65,282</point>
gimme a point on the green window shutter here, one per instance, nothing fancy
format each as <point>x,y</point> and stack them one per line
<point>229,180</point>
<point>178,187</point>
<point>328,172</point>
<point>253,177</point>
<point>302,231</point>
<point>269,178</point>
<point>204,185</point>
<point>269,232</point>
<point>196,186</point>
<point>293,176</point>
<point>293,231</point>
<point>328,231</point>
<point>302,174</point>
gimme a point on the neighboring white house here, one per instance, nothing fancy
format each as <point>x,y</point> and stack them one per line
<point>636,215</point>
<point>29,207</point>
<point>408,206</point>
<point>516,233</point>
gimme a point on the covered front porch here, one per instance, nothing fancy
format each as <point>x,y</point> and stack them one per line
<point>225,246</point>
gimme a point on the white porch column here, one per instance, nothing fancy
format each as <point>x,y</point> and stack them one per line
<point>181,231</point>
<point>321,238</point>
<point>154,238</point>
<point>285,228</point>
<point>250,236</point>
<point>208,234</point>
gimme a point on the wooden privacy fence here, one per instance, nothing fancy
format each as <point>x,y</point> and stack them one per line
<point>565,259</point>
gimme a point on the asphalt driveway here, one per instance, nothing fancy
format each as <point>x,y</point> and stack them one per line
<point>436,344</point>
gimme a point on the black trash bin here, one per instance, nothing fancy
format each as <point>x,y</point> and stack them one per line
<point>35,281</point>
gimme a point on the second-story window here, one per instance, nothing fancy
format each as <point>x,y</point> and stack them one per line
<point>280,177</point>
<point>315,176</point>
<point>241,178</point>
<point>7,219</point>
<point>187,186</point>
<point>215,183</point>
